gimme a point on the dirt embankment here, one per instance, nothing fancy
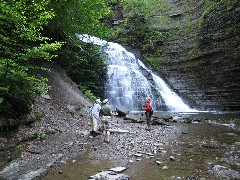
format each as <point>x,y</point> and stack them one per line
<point>59,130</point>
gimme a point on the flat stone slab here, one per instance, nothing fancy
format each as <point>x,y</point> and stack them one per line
<point>119,130</point>
<point>118,169</point>
<point>111,174</point>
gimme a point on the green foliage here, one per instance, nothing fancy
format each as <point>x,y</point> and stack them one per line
<point>21,46</point>
<point>83,17</point>
<point>39,135</point>
<point>155,61</point>
<point>73,113</point>
<point>136,7</point>
<point>140,35</point>
<point>115,32</point>
<point>38,114</point>
<point>146,7</point>
<point>85,66</point>
<point>81,61</point>
<point>194,53</point>
<point>138,29</point>
<point>88,93</point>
<point>222,6</point>
<point>152,40</point>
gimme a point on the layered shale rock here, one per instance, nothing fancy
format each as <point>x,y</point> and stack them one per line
<point>203,55</point>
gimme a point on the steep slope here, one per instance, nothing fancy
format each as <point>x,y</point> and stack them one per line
<point>60,123</point>
<point>64,90</point>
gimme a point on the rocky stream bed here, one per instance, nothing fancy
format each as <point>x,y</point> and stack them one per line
<point>55,144</point>
<point>200,146</point>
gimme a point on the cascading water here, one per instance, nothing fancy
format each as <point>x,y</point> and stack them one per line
<point>129,81</point>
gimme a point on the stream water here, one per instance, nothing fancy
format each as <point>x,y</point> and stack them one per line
<point>207,150</point>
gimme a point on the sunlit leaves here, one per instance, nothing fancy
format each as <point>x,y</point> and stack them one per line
<point>82,62</point>
<point>22,43</point>
<point>42,51</point>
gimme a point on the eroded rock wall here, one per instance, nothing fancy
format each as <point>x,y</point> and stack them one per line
<point>204,57</point>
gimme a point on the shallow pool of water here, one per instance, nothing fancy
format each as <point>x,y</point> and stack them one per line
<point>208,150</point>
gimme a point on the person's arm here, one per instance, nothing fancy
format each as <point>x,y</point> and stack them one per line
<point>111,112</point>
<point>148,107</point>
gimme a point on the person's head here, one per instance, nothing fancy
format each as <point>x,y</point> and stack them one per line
<point>148,99</point>
<point>105,101</point>
<point>98,101</point>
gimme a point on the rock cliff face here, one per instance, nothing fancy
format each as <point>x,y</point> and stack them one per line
<point>204,54</point>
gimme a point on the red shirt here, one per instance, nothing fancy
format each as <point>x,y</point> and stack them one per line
<point>148,107</point>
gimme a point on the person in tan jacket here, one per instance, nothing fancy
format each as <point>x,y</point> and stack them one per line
<point>106,114</point>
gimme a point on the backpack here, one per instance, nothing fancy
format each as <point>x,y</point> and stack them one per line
<point>89,110</point>
<point>151,111</point>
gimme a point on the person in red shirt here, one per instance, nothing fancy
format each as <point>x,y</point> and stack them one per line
<point>148,113</point>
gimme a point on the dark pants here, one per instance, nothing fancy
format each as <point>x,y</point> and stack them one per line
<point>148,118</point>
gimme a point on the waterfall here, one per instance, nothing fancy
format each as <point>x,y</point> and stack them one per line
<point>129,81</point>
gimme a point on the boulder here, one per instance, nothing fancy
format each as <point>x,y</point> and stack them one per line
<point>135,118</point>
<point>122,111</point>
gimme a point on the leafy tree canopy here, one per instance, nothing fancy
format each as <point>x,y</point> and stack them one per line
<point>22,45</point>
<point>82,61</point>
<point>80,16</point>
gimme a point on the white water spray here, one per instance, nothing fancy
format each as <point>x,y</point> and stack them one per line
<point>129,81</point>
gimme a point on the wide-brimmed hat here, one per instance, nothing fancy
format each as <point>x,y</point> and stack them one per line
<point>98,101</point>
<point>105,101</point>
